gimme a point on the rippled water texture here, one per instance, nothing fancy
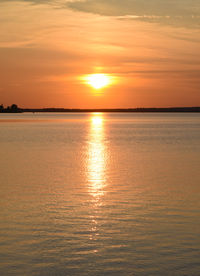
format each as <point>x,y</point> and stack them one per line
<point>100,194</point>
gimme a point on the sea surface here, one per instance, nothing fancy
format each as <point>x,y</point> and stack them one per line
<point>95,194</point>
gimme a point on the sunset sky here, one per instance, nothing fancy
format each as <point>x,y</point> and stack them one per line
<point>148,49</point>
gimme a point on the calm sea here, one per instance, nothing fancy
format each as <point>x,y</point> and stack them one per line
<point>100,194</point>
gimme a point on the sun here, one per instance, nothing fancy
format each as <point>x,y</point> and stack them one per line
<point>98,81</point>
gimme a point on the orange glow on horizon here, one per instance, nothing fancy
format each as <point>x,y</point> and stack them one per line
<point>100,59</point>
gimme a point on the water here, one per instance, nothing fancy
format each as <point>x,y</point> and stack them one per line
<point>100,194</point>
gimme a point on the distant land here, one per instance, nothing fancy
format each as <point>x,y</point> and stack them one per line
<point>15,109</point>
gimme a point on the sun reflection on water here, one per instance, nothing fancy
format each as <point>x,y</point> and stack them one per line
<point>96,171</point>
<point>96,153</point>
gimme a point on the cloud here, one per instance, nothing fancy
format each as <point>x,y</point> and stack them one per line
<point>180,13</point>
<point>128,8</point>
<point>139,7</point>
<point>174,12</point>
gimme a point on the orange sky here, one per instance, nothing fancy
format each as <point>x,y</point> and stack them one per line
<point>151,50</point>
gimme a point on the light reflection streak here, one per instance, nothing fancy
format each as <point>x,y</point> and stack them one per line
<point>96,168</point>
<point>96,153</point>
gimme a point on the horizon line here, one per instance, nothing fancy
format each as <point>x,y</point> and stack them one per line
<point>15,109</point>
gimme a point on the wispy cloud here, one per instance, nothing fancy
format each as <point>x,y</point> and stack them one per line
<point>181,13</point>
<point>139,7</point>
<point>184,13</point>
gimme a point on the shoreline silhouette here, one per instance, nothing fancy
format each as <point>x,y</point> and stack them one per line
<point>15,109</point>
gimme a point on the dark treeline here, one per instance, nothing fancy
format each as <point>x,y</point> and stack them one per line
<point>10,109</point>
<point>168,109</point>
<point>15,109</point>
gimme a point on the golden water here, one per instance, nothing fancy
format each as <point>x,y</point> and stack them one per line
<point>100,194</point>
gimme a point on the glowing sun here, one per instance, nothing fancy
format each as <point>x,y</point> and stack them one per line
<point>98,81</point>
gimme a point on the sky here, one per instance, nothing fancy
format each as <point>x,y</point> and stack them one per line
<point>150,49</point>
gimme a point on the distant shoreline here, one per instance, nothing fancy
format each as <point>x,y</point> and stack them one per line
<point>122,110</point>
